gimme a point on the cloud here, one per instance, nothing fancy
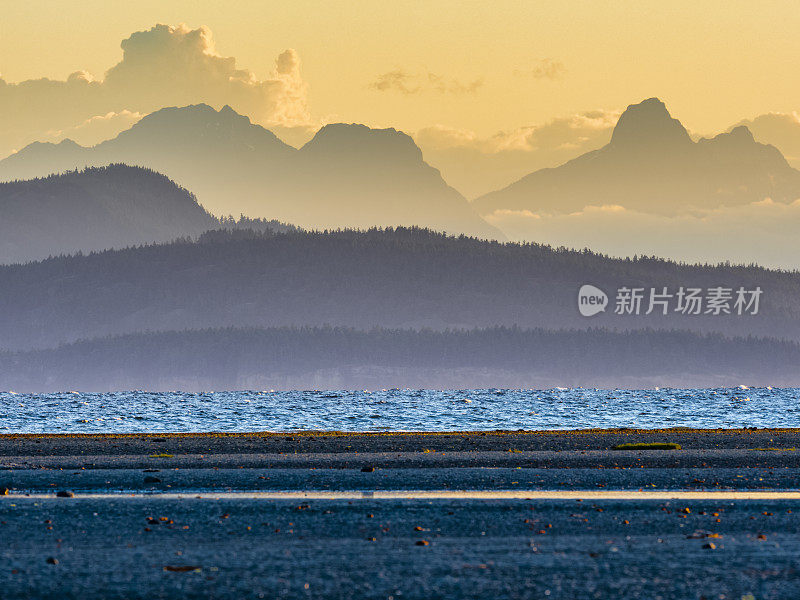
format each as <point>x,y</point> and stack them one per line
<point>476,164</point>
<point>163,66</point>
<point>395,81</point>
<point>444,85</point>
<point>97,129</point>
<point>592,128</point>
<point>406,83</point>
<point>546,68</point>
<point>440,137</point>
<point>782,130</point>
<point>762,232</point>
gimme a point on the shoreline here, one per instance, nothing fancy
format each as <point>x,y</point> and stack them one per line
<point>260,442</point>
<point>567,449</point>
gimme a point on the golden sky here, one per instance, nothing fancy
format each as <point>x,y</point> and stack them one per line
<point>484,66</point>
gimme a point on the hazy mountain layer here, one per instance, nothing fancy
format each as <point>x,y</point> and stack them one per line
<point>96,209</point>
<point>101,208</point>
<point>652,165</point>
<point>406,278</point>
<point>329,358</point>
<point>346,176</point>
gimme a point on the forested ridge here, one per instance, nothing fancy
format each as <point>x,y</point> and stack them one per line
<point>100,208</point>
<point>390,278</point>
<point>308,357</point>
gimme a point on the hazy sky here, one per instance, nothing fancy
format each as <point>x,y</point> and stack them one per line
<point>484,66</point>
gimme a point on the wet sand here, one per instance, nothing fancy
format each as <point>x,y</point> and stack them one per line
<point>345,442</point>
<point>263,462</point>
<point>402,515</point>
<point>238,547</point>
<point>592,448</point>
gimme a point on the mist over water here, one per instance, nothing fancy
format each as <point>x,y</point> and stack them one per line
<point>404,410</point>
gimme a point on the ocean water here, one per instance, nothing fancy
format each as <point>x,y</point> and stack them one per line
<point>408,410</point>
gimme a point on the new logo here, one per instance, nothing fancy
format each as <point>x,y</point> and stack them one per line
<point>591,300</point>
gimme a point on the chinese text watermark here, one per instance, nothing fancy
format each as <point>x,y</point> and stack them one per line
<point>712,301</point>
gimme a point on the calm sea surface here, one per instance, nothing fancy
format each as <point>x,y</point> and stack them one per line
<point>410,410</point>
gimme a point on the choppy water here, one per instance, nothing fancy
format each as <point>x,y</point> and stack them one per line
<point>410,410</point>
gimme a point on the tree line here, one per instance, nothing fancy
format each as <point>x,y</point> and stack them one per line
<point>390,278</point>
<point>314,357</point>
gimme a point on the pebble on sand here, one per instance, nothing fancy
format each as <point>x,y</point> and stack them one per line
<point>182,568</point>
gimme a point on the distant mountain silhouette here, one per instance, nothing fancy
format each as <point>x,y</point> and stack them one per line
<point>398,278</point>
<point>652,165</point>
<point>95,209</point>
<point>41,159</point>
<point>346,176</point>
<point>782,130</point>
<point>375,177</point>
<point>171,141</point>
<point>342,358</point>
<point>101,208</point>
<point>649,127</point>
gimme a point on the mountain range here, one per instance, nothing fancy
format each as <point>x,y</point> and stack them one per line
<point>348,175</point>
<point>352,176</point>
<point>652,165</point>
<point>158,291</point>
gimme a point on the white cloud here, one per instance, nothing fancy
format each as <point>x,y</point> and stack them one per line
<point>163,66</point>
<point>581,130</point>
<point>763,232</point>
<point>475,165</point>
<point>97,129</point>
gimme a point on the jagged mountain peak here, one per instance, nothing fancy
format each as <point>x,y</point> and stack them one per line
<point>738,136</point>
<point>65,144</point>
<point>652,165</point>
<point>365,143</point>
<point>202,122</point>
<point>171,113</point>
<point>742,132</point>
<point>738,146</point>
<point>69,143</point>
<point>648,124</point>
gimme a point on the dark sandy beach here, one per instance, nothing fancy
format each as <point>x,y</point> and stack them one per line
<point>344,442</point>
<point>230,515</point>
<point>552,449</point>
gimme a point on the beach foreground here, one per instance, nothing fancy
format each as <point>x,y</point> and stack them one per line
<point>458,515</point>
